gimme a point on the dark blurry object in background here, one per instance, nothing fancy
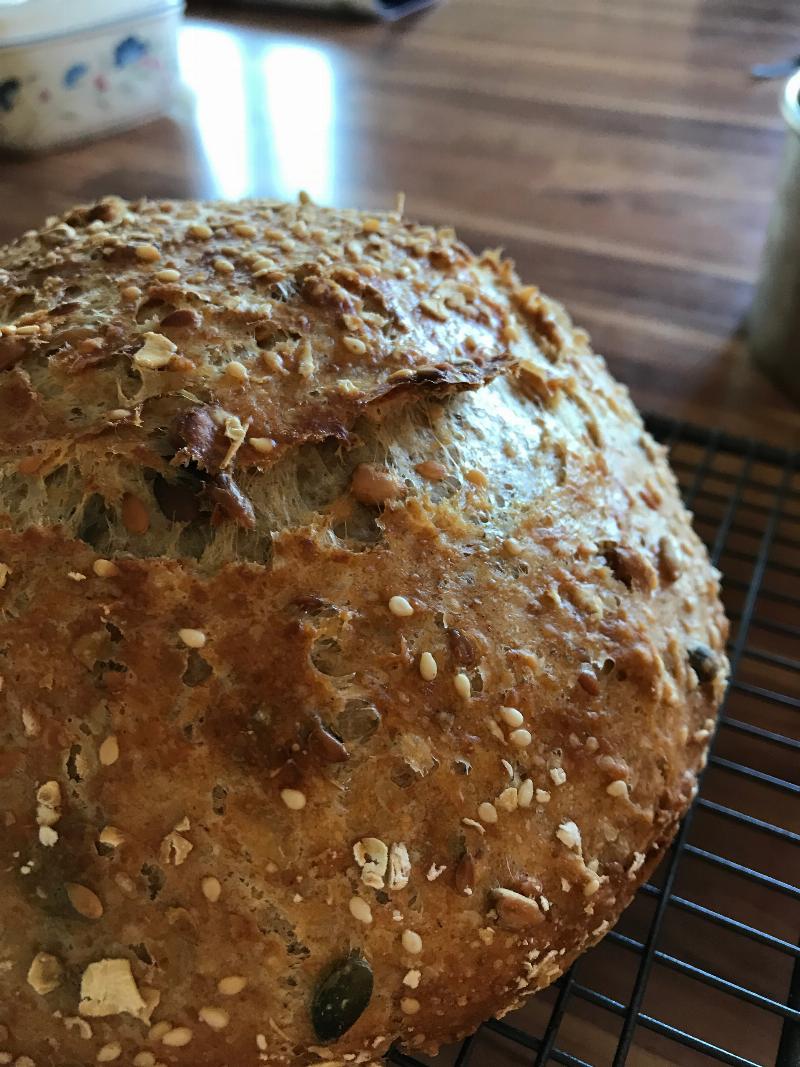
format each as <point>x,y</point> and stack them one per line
<point>70,71</point>
<point>774,326</point>
<point>385,9</point>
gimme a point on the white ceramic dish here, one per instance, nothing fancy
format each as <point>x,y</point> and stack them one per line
<point>73,69</point>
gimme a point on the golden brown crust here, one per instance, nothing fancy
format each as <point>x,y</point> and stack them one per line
<point>441,714</point>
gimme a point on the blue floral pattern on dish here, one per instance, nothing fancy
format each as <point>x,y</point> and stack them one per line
<point>8,93</point>
<point>129,50</point>
<point>74,74</point>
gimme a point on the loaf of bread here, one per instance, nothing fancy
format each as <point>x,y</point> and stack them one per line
<point>357,656</point>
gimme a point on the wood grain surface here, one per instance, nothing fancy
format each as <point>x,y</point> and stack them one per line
<point>618,149</point>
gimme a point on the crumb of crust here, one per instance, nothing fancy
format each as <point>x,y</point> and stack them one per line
<point>412,979</point>
<point>558,775</point>
<point>45,973</point>
<point>109,988</point>
<point>569,835</point>
<point>372,856</point>
<point>399,867</point>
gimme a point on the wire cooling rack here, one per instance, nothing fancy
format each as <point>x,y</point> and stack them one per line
<point>704,967</point>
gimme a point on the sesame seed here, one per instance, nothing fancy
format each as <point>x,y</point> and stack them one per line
<point>216,1018</point>
<point>360,910</point>
<point>200,230</point>
<point>355,345</point>
<point>177,1037</point>
<point>47,836</point>
<point>618,788</point>
<point>84,901</point>
<point>261,444</point>
<point>569,835</point>
<point>345,387</point>
<point>411,979</point>
<point>130,293</point>
<point>542,796</point>
<point>212,889</point>
<point>237,370</point>
<point>108,753</point>
<point>520,738</point>
<point>592,885</point>
<point>223,266</point>
<point>155,1033</point>
<point>477,478</point>
<point>169,274</point>
<point>511,547</point>
<point>525,794</point>
<point>117,414</point>
<point>487,812</point>
<point>230,986</point>
<point>412,942</point>
<point>104,568</point>
<point>144,1059</point>
<point>293,799</point>
<point>435,308</point>
<point>109,1052</point>
<point>511,716</point>
<point>427,667</point>
<point>261,1042</point>
<point>148,253</point>
<point>558,775</point>
<point>463,686</point>
<point>244,229</point>
<point>398,605</point>
<point>192,638</point>
<point>76,576</point>
<point>409,1006</point>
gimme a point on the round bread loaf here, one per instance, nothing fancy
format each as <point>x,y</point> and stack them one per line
<point>358,658</point>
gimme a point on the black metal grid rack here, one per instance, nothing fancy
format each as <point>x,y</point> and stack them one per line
<point>704,967</point>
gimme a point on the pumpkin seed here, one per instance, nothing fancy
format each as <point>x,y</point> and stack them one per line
<point>341,997</point>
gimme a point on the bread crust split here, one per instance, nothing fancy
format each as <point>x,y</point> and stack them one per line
<point>357,656</point>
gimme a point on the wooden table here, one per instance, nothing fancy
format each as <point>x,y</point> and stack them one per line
<point>617,149</point>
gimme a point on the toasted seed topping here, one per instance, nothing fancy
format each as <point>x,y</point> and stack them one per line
<point>525,794</point>
<point>511,547</point>
<point>409,1006</point>
<point>431,470</point>
<point>108,988</point>
<point>428,667</point>
<point>144,1059</point>
<point>463,686</point>
<point>261,444</point>
<point>169,274</point>
<point>108,1053</point>
<point>411,979</point>
<point>569,835</point>
<point>487,812</point>
<point>542,796</point>
<point>360,910</point>
<point>148,253</point>
<point>200,230</point>
<point>412,942</point>
<point>223,265</point>
<point>216,1018</point>
<point>48,836</point>
<point>135,517</point>
<point>372,856</point>
<point>177,1037</point>
<point>84,901</point>
<point>212,889</point>
<point>237,370</point>
<point>104,568</point>
<point>354,345</point>
<point>398,605</point>
<point>108,753</point>
<point>192,638</point>
<point>515,911</point>
<point>558,775</point>
<point>520,738</point>
<point>399,867</point>
<point>294,799</point>
<point>619,788</point>
<point>230,986</point>
<point>508,799</point>
<point>511,717</point>
<point>156,352</point>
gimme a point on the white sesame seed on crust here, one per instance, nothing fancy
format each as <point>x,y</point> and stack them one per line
<point>237,370</point>
<point>542,796</point>
<point>487,812</point>
<point>215,1018</point>
<point>569,834</point>
<point>428,667</point>
<point>400,606</point>
<point>409,1006</point>
<point>511,716</point>
<point>619,788</point>
<point>108,753</point>
<point>520,738</point>
<point>525,793</point>
<point>412,942</point>
<point>360,910</point>
<point>261,444</point>
<point>177,1037</point>
<point>558,775</point>
<point>231,985</point>
<point>104,568</point>
<point>463,686</point>
<point>192,638</point>
<point>211,887</point>
<point>294,799</point>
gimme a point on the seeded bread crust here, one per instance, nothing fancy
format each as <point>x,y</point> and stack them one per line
<point>352,634</point>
